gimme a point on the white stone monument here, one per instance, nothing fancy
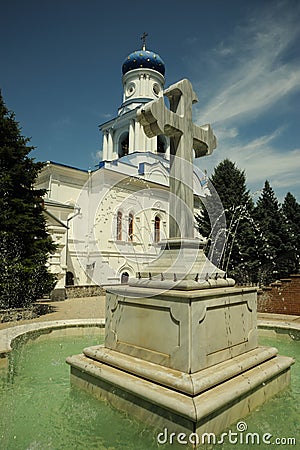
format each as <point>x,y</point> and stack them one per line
<point>181,345</point>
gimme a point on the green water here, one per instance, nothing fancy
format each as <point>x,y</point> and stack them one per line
<point>280,416</point>
<point>39,410</point>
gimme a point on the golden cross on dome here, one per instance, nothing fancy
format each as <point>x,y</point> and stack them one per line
<point>143,39</point>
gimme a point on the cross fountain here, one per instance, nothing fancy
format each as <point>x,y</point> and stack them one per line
<point>181,352</point>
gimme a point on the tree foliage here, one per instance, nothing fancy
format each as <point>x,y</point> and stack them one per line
<point>24,242</point>
<point>291,214</point>
<point>263,240</point>
<point>273,239</point>
<point>239,249</point>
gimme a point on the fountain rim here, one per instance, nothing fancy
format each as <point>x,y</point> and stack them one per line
<point>280,326</point>
<point>9,335</point>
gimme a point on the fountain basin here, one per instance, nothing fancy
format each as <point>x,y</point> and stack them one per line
<point>39,409</point>
<point>188,360</point>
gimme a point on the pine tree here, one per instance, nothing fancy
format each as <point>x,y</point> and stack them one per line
<point>291,213</point>
<point>273,240</point>
<point>239,257</point>
<point>24,242</point>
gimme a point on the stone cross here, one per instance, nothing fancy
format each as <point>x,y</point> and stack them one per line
<point>185,136</point>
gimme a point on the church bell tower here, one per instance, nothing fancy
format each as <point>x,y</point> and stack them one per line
<point>143,81</point>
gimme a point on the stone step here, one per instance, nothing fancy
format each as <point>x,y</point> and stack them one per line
<point>191,384</point>
<point>209,411</point>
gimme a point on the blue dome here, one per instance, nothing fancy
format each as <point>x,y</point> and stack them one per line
<point>143,59</point>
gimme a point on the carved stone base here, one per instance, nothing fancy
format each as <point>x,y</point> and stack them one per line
<point>182,330</point>
<point>181,265</point>
<point>204,402</point>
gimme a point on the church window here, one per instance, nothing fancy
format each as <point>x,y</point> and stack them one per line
<point>156,89</point>
<point>157,229</point>
<point>161,144</point>
<point>124,277</point>
<point>130,227</point>
<point>124,145</point>
<point>130,89</point>
<point>69,279</point>
<point>119,226</point>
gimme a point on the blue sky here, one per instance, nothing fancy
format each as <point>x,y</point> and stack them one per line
<point>61,75</point>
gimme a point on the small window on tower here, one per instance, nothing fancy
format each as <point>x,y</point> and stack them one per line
<point>124,145</point>
<point>130,89</point>
<point>156,89</point>
<point>161,144</point>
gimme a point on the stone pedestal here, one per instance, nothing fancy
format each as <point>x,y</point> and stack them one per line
<point>185,360</point>
<point>182,330</point>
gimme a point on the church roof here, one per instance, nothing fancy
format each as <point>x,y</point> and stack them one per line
<point>50,202</point>
<point>143,59</point>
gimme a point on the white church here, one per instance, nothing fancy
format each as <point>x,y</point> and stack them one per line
<point>108,221</point>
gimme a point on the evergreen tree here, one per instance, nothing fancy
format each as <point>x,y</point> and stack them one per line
<point>273,240</point>
<point>24,242</point>
<point>291,213</point>
<point>239,257</point>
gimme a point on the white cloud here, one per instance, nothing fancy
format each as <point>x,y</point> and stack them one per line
<point>252,93</point>
<point>249,72</point>
<point>261,160</point>
<point>226,133</point>
<point>247,75</point>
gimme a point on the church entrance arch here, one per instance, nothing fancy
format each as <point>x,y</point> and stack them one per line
<point>69,279</point>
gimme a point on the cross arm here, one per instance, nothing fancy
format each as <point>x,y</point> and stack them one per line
<point>204,141</point>
<point>177,90</point>
<point>157,119</point>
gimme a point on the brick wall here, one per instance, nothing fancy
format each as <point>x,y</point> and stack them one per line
<point>281,297</point>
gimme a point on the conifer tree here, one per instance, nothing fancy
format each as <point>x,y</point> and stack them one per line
<point>24,242</point>
<point>291,213</point>
<point>239,257</point>
<point>273,241</point>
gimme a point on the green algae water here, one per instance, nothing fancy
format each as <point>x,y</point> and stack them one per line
<point>279,418</point>
<point>39,410</point>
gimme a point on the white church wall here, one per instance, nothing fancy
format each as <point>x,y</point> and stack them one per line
<point>128,198</point>
<point>86,204</point>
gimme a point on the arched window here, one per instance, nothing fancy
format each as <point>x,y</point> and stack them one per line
<point>130,227</point>
<point>161,144</point>
<point>69,279</point>
<point>119,226</point>
<point>157,229</point>
<point>123,145</point>
<point>124,277</point>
